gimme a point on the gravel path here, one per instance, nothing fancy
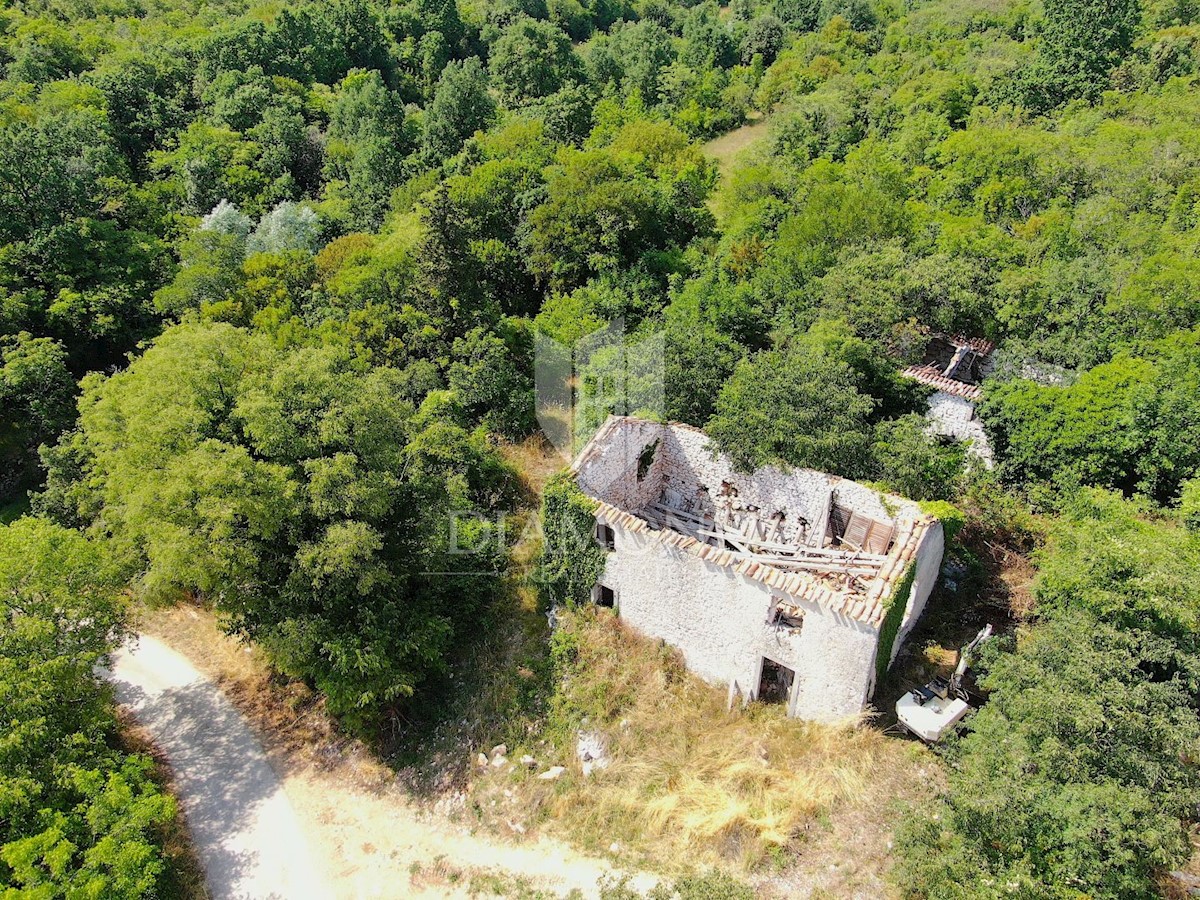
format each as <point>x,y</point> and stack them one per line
<point>245,830</point>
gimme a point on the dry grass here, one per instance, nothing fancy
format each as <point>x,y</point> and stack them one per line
<point>535,461</point>
<point>690,784</point>
<point>289,718</point>
<point>724,150</point>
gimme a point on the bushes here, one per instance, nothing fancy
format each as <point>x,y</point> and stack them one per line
<point>303,497</point>
<point>78,818</point>
<point>711,885</point>
<point>572,562</point>
<point>1189,505</point>
<point>1077,776</point>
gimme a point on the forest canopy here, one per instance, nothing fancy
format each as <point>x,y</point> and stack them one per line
<point>271,279</point>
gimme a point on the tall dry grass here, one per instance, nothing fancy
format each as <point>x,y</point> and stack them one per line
<point>689,783</point>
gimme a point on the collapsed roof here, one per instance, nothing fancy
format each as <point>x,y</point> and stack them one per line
<point>954,364</point>
<point>810,535</point>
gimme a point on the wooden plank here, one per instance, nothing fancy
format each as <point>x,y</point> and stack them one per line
<point>680,514</point>
<point>788,557</point>
<point>865,570</point>
<point>856,531</point>
<point>879,536</point>
<point>800,550</point>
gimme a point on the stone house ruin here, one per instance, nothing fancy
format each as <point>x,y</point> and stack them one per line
<point>954,367</point>
<point>790,586</point>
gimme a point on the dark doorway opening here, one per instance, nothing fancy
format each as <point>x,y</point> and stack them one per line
<point>606,537</point>
<point>604,596</point>
<point>775,685</point>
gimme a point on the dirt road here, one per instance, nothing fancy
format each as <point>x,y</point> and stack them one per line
<point>247,835</point>
<point>307,833</point>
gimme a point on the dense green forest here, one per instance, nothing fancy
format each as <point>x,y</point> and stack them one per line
<point>270,277</point>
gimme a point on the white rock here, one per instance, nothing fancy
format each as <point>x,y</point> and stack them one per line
<point>552,773</point>
<point>499,761</point>
<point>590,749</point>
<point>500,750</point>
<point>528,761</point>
<point>614,847</point>
<point>482,760</point>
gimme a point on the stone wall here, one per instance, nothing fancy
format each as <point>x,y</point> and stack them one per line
<point>956,417</point>
<point>719,621</point>
<point>607,468</point>
<point>798,491</point>
<point>683,464</point>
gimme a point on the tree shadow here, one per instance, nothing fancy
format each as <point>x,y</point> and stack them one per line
<point>226,787</point>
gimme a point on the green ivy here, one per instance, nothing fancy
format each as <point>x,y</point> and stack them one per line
<point>572,561</point>
<point>951,517</point>
<point>893,615</point>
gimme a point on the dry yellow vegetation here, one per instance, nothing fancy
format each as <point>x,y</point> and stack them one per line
<point>689,783</point>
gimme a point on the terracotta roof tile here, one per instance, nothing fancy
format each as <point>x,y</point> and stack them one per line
<point>982,346</point>
<point>935,379</point>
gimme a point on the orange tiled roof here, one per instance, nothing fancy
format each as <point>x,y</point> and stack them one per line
<point>935,379</point>
<point>982,346</point>
<point>864,607</point>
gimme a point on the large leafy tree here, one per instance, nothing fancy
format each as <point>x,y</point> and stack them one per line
<point>1085,429</point>
<point>1084,40</point>
<point>299,494</point>
<point>797,407</point>
<point>461,106</point>
<point>530,60</point>
<point>369,139</point>
<point>78,818</point>
<point>1130,424</point>
<point>606,210</point>
<point>75,263</point>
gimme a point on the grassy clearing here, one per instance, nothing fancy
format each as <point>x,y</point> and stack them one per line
<point>689,784</point>
<point>740,159</point>
<point>724,150</point>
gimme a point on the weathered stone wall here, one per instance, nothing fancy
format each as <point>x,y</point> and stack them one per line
<point>687,462</point>
<point>719,621</point>
<point>683,462</point>
<point>956,417</point>
<point>607,470</point>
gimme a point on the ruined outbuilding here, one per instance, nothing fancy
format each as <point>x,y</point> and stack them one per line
<point>955,366</point>
<point>790,586</point>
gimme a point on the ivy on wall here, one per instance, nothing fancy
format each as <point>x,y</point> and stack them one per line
<point>893,616</point>
<point>572,561</point>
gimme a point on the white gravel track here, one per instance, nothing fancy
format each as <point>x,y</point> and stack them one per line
<point>246,833</point>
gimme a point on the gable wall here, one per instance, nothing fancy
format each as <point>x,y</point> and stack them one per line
<point>719,621</point>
